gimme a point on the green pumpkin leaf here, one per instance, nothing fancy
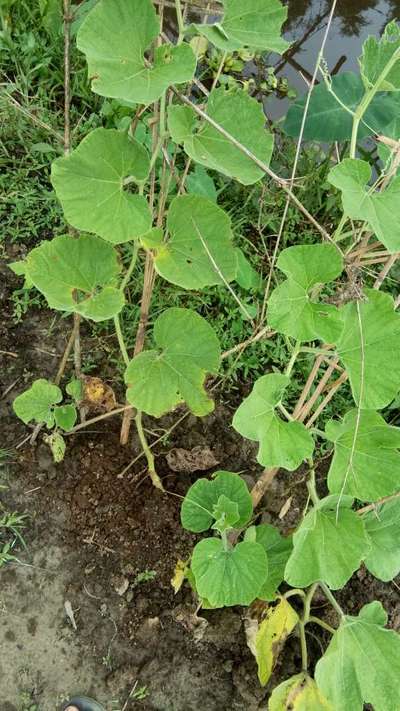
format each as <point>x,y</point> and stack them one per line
<point>226,514</point>
<point>257,24</point>
<point>65,416</point>
<point>115,36</point>
<point>383,528</point>
<point>366,463</point>
<point>199,182</point>
<point>37,403</point>
<point>282,444</point>
<point>198,506</point>
<point>90,186</point>
<point>242,117</point>
<point>77,275</point>
<point>379,209</point>
<point>299,693</point>
<point>75,389</point>
<point>369,348</point>
<point>362,663</point>
<point>278,549</point>
<point>292,309</point>
<point>319,552</point>
<point>328,121</point>
<point>375,56</point>
<point>200,245</point>
<point>273,631</point>
<point>188,349</point>
<point>229,577</point>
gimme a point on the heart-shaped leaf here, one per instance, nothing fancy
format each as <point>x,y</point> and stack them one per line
<point>383,528</point>
<point>200,247</point>
<point>90,186</point>
<point>369,348</point>
<point>77,275</point>
<point>115,36</point>
<point>242,117</point>
<point>37,403</point>
<point>232,576</point>
<point>198,507</point>
<point>292,309</point>
<point>376,55</point>
<point>65,416</point>
<point>188,349</point>
<point>379,209</point>
<point>328,120</point>
<point>299,693</point>
<point>278,549</point>
<point>319,552</point>
<point>366,463</point>
<point>257,24</point>
<point>362,663</point>
<point>282,444</point>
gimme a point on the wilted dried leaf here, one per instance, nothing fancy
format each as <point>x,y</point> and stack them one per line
<point>98,395</point>
<point>197,459</point>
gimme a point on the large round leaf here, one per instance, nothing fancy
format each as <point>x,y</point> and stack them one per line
<point>242,117</point>
<point>378,208</point>
<point>200,246</point>
<point>327,118</point>
<point>115,36</point>
<point>229,577</point>
<point>256,24</point>
<point>366,463</point>
<point>90,186</point>
<point>329,545</point>
<point>77,275</point>
<point>158,380</point>
<point>291,308</point>
<point>362,663</point>
<point>369,347</point>
<point>282,444</point>
<point>37,403</point>
<point>197,512</point>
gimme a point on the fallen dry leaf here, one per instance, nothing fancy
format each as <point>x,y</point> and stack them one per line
<point>197,459</point>
<point>97,395</point>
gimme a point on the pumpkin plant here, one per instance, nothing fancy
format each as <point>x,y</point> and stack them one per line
<point>123,193</point>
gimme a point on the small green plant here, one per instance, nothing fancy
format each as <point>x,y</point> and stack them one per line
<point>128,190</point>
<point>144,577</point>
<point>41,404</point>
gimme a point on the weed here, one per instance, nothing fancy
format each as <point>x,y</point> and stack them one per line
<point>144,577</point>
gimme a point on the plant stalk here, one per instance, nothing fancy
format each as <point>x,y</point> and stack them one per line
<point>148,453</point>
<point>368,97</point>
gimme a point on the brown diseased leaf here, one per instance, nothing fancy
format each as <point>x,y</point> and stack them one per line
<point>197,459</point>
<point>97,395</point>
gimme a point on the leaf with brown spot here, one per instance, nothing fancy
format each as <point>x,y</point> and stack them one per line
<point>273,631</point>
<point>98,395</point>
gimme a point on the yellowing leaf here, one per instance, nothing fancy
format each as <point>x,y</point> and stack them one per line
<point>271,636</point>
<point>180,573</point>
<point>299,693</point>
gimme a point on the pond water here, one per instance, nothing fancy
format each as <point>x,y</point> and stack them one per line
<point>307,19</point>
